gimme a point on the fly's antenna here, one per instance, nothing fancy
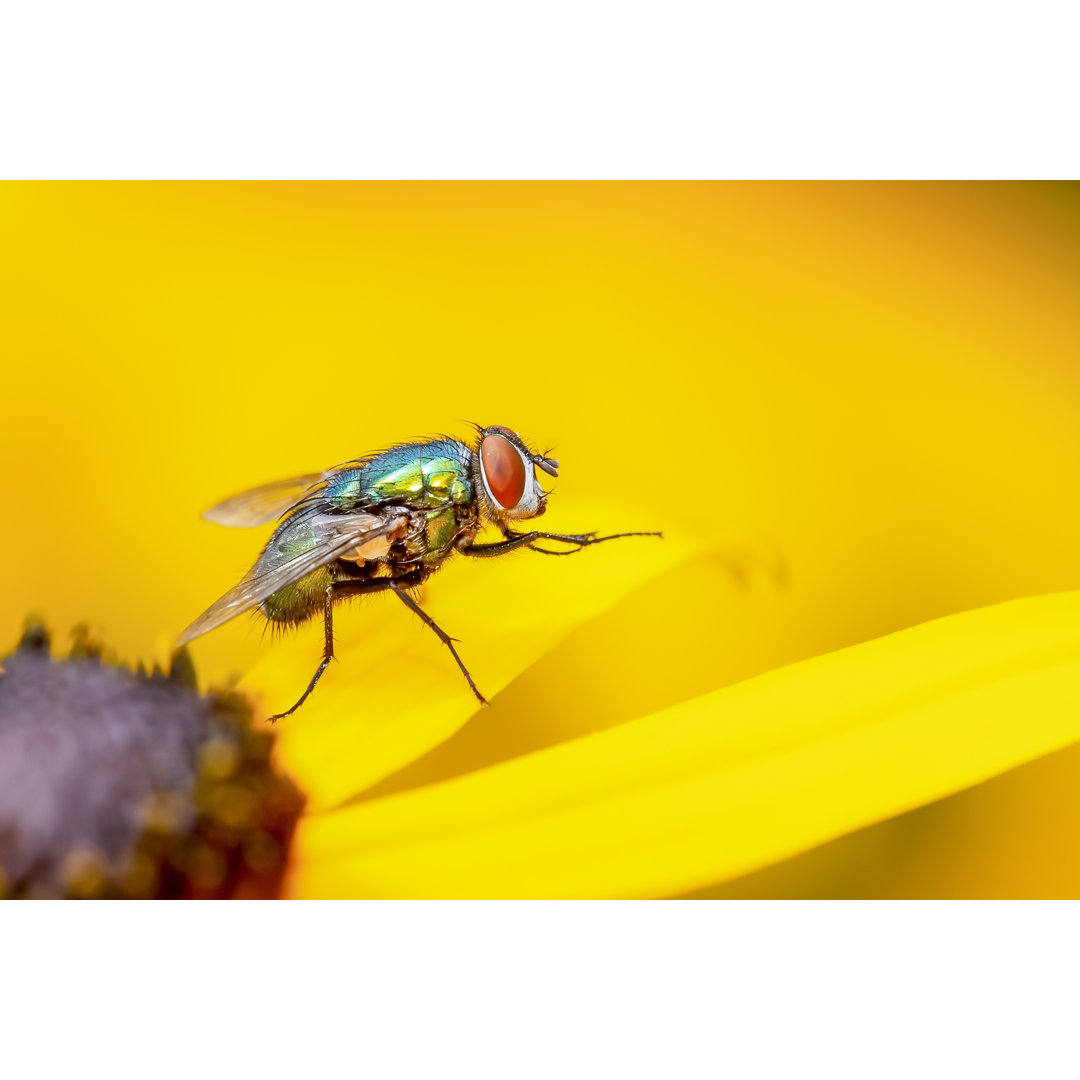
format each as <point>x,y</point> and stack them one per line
<point>549,465</point>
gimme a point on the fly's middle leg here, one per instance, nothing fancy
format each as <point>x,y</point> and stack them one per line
<point>441,634</point>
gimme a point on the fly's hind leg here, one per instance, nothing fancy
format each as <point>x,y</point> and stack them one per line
<point>335,590</point>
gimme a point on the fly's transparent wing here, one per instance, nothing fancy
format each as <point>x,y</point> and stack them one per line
<point>262,504</point>
<point>301,545</point>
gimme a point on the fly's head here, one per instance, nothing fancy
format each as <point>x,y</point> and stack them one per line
<point>505,469</point>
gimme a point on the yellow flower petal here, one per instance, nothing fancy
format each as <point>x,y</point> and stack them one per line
<point>396,692</point>
<point>730,781</point>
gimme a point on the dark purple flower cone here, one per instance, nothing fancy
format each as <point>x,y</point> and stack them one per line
<point>121,784</point>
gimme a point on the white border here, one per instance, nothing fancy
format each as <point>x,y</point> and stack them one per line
<point>523,990</point>
<point>561,89</point>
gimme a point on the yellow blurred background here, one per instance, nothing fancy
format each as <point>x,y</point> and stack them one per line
<point>861,398</point>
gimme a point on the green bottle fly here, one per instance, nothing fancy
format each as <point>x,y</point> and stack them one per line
<point>386,521</point>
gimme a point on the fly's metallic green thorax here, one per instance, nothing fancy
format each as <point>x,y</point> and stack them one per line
<point>384,522</point>
<point>422,475</point>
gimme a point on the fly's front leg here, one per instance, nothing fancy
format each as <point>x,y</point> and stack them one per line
<point>334,590</point>
<point>514,541</point>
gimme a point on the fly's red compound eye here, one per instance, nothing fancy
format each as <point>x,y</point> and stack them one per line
<point>504,470</point>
